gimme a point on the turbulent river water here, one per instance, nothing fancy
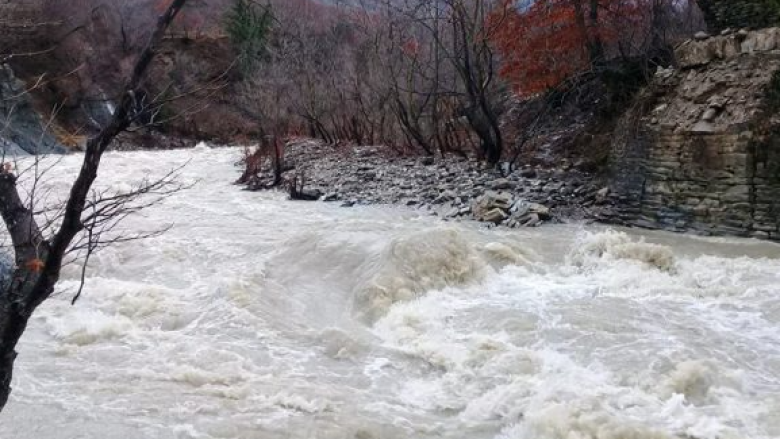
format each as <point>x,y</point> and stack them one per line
<point>256,317</point>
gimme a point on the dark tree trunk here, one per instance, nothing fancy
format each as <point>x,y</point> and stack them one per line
<point>38,261</point>
<point>710,17</point>
<point>475,66</point>
<point>278,160</point>
<point>30,248</point>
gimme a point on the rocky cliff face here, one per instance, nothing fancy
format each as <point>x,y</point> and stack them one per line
<point>22,32</point>
<point>21,129</point>
<point>701,149</point>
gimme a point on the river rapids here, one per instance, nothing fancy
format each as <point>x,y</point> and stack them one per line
<point>254,317</point>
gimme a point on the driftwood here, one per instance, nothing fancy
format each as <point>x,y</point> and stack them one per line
<point>298,191</point>
<point>273,148</point>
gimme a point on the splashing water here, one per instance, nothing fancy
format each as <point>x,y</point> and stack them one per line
<point>255,317</point>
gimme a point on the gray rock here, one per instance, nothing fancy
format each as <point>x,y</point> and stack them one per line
<point>11,149</point>
<point>520,208</point>
<point>541,211</point>
<point>495,216</point>
<point>452,213</point>
<point>602,194</point>
<point>22,126</point>
<point>533,220</point>
<point>501,184</point>
<point>444,197</point>
<point>528,173</point>
<point>484,207</point>
<point>332,196</point>
<point>703,127</point>
<point>710,114</point>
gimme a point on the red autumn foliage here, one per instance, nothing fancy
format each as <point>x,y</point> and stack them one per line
<point>411,47</point>
<point>545,44</point>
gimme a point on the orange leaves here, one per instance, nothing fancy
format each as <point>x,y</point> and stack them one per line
<point>541,46</point>
<point>35,265</point>
<point>549,41</point>
<point>411,47</point>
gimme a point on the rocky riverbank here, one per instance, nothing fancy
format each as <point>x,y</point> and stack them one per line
<point>454,188</point>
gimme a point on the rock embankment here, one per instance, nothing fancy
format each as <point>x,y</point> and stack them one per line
<point>700,151</point>
<point>455,188</point>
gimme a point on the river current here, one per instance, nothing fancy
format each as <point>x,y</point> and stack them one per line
<point>254,317</point>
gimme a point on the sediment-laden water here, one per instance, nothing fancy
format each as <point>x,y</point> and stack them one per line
<point>256,317</point>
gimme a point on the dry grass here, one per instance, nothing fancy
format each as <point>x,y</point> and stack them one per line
<point>72,140</point>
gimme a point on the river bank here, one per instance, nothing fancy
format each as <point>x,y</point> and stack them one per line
<point>454,188</point>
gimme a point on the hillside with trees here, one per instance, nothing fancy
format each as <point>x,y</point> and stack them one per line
<point>578,236</point>
<point>423,77</point>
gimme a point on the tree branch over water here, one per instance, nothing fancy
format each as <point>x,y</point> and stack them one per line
<point>39,260</point>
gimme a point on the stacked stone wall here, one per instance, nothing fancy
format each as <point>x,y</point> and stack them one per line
<point>701,151</point>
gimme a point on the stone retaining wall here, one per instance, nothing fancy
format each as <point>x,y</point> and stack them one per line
<point>701,149</point>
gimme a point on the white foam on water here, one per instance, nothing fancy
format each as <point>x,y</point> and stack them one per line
<point>414,264</point>
<point>609,246</point>
<point>255,317</point>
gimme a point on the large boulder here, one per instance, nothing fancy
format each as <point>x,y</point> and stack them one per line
<point>499,208</point>
<point>492,207</point>
<point>526,214</point>
<point>21,128</point>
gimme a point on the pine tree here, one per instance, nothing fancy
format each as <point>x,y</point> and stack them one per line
<point>248,26</point>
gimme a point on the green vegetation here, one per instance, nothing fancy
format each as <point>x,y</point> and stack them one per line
<point>249,25</point>
<point>722,14</point>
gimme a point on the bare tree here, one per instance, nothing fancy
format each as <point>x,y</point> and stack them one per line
<point>39,258</point>
<point>473,58</point>
<point>439,53</point>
